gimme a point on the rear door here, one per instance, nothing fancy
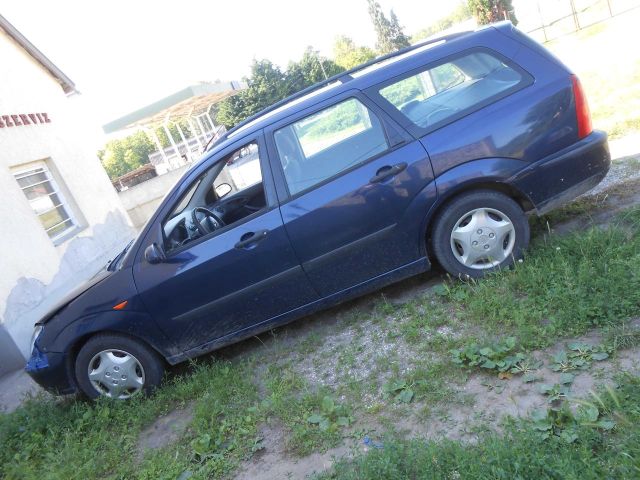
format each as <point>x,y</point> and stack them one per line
<point>346,176</point>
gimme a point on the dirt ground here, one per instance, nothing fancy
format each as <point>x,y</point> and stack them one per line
<point>491,401</point>
<point>488,399</point>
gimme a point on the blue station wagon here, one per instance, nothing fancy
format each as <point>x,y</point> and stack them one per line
<point>436,153</point>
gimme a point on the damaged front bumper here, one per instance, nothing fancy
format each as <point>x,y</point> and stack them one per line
<point>51,371</point>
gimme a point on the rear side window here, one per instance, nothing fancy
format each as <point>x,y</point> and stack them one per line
<point>442,93</point>
<point>328,142</point>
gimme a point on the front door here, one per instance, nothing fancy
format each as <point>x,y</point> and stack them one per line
<point>351,178</point>
<point>229,264</point>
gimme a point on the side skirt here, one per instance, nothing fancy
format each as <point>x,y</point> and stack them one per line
<point>413,268</point>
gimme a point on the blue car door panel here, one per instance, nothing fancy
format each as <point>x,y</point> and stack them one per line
<point>216,288</point>
<point>344,231</point>
<point>230,281</point>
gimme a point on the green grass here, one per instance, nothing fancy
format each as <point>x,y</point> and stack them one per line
<point>622,127</point>
<point>584,206</point>
<point>291,401</point>
<point>566,286</point>
<point>520,453</point>
<point>75,439</point>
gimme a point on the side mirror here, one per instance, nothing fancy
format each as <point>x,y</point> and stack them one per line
<point>223,189</point>
<point>154,254</point>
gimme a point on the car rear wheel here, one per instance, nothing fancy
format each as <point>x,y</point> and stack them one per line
<point>479,232</point>
<point>117,367</point>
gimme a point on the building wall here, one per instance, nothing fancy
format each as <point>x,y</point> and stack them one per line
<point>35,271</point>
<point>141,200</point>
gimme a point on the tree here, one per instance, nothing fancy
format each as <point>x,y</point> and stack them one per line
<point>125,155</point>
<point>231,110</point>
<point>489,11</point>
<point>460,14</point>
<point>347,55</point>
<point>388,30</point>
<point>268,85</point>
<point>312,68</point>
<point>398,38</point>
<point>164,139</point>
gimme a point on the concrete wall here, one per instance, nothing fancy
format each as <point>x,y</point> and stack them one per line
<point>141,200</point>
<point>35,271</point>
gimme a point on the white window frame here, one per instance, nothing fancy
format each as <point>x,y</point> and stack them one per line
<point>41,167</point>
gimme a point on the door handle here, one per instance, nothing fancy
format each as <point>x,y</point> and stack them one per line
<point>251,238</point>
<point>388,171</point>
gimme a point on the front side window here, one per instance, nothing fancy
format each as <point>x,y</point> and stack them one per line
<point>328,142</point>
<point>228,192</point>
<point>437,94</point>
<point>46,200</point>
<point>241,171</point>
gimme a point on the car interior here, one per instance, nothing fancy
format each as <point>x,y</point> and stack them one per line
<point>226,193</point>
<point>483,76</point>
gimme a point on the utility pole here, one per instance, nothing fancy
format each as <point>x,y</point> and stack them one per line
<point>321,67</point>
<point>575,15</point>
<point>544,30</point>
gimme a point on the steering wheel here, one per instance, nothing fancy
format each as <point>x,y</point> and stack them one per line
<point>209,222</point>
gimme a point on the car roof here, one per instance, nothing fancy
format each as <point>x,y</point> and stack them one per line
<point>359,78</point>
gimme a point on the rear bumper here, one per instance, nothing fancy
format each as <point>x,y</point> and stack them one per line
<point>50,371</point>
<point>558,179</point>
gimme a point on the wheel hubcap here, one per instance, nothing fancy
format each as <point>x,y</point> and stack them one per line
<point>116,374</point>
<point>483,238</point>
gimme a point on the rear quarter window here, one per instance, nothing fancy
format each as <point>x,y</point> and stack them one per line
<point>436,95</point>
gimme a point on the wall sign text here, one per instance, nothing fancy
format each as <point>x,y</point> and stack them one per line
<point>23,119</point>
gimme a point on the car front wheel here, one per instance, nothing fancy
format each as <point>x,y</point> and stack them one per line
<point>117,367</point>
<point>479,232</point>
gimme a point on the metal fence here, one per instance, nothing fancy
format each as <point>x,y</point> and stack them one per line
<point>546,20</point>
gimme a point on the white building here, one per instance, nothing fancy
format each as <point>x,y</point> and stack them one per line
<point>60,218</point>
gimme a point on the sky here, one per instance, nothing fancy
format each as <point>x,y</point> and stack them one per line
<point>123,55</point>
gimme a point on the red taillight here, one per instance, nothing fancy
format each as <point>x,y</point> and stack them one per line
<point>582,108</point>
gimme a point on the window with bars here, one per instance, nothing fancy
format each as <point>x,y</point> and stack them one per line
<point>44,196</point>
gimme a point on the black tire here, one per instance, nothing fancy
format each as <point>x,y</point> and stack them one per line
<point>143,376</point>
<point>443,244</point>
